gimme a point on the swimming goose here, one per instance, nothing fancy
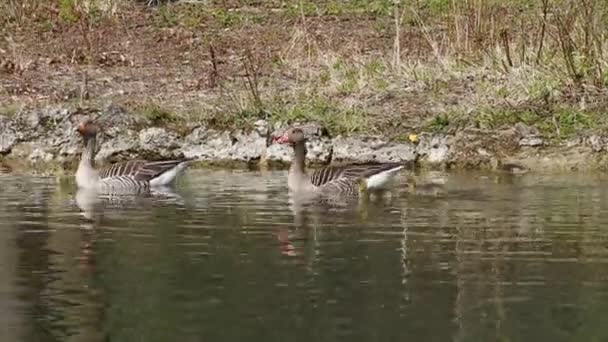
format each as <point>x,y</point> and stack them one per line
<point>132,175</point>
<point>347,179</point>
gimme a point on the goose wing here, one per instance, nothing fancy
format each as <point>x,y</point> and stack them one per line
<point>151,170</point>
<point>344,185</point>
<point>328,174</point>
<point>139,170</point>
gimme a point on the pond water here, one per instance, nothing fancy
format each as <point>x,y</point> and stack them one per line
<point>228,256</point>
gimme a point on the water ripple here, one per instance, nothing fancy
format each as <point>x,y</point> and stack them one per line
<point>484,259</point>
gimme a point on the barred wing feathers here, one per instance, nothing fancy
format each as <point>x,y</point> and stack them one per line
<point>137,172</point>
<point>344,185</point>
<point>325,175</point>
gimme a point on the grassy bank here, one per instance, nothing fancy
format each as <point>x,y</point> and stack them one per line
<point>356,66</point>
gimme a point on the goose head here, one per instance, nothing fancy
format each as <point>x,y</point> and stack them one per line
<point>87,130</point>
<point>292,136</point>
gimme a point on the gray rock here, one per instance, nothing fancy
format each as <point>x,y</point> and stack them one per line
<point>62,138</point>
<point>8,135</point>
<point>23,150</point>
<point>528,136</point>
<point>532,141</point>
<point>7,140</point>
<point>116,118</point>
<point>366,149</point>
<point>319,151</point>
<point>483,152</point>
<point>523,131</point>
<point>209,145</point>
<point>122,147</point>
<point>159,142</point>
<point>72,145</point>
<point>433,148</point>
<point>596,142</point>
<point>262,127</point>
<point>248,147</point>
<point>312,130</point>
<point>40,154</point>
<point>278,153</point>
<point>33,120</point>
<point>572,142</point>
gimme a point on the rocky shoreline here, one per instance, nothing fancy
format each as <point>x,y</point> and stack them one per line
<point>45,140</point>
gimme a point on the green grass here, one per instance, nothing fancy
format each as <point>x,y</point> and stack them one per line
<point>336,119</point>
<point>191,16</point>
<point>156,114</point>
<point>480,64</point>
<point>558,123</point>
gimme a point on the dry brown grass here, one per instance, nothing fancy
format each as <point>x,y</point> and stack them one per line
<point>366,66</point>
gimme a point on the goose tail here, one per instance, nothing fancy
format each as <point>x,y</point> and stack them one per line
<point>168,175</point>
<point>383,178</point>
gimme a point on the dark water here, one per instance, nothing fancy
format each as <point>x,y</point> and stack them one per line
<point>227,257</point>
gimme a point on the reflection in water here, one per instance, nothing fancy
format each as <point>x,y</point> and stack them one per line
<point>231,256</point>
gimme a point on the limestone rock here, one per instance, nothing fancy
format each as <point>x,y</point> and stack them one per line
<point>206,144</point>
<point>211,145</point>
<point>319,151</point>
<point>8,135</point>
<point>122,147</point>
<point>367,149</point>
<point>247,147</point>
<point>531,141</point>
<point>433,148</point>
<point>159,142</point>
<point>597,143</point>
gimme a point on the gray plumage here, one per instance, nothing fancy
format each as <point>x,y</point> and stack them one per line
<point>128,176</point>
<point>135,173</point>
<point>327,174</point>
<point>347,179</point>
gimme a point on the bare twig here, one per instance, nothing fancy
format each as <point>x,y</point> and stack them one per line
<point>506,46</point>
<point>84,88</point>
<point>543,27</point>
<point>251,69</point>
<point>213,77</point>
<point>397,43</point>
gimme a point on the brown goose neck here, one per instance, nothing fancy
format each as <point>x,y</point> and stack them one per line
<point>89,151</point>
<point>299,161</point>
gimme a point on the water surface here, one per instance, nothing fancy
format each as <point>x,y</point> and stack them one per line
<point>228,256</point>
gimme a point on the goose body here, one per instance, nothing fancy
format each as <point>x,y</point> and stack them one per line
<point>348,179</point>
<point>128,176</point>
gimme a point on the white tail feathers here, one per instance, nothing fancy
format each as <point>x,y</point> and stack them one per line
<point>168,176</point>
<point>382,179</point>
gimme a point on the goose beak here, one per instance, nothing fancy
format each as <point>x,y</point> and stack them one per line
<point>283,139</point>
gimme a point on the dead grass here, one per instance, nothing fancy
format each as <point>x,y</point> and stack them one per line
<point>453,64</point>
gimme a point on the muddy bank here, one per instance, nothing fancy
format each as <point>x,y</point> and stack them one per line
<point>45,140</point>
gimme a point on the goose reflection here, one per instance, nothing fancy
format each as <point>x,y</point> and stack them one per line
<point>90,204</point>
<point>93,204</point>
<point>311,211</point>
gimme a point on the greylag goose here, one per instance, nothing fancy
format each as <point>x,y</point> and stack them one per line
<point>347,179</point>
<point>132,175</point>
